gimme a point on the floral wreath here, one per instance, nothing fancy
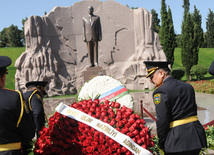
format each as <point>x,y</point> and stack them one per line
<point>66,136</point>
<point>105,100</point>
<point>106,88</point>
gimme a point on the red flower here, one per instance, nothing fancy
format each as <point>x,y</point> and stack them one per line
<point>90,149</point>
<point>112,122</point>
<point>67,136</point>
<point>131,120</point>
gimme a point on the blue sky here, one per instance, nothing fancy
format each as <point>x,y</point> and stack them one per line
<point>13,11</point>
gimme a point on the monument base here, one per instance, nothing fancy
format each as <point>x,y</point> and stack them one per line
<point>91,72</point>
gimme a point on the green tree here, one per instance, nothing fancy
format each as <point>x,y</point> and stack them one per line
<point>155,21</point>
<point>187,40</point>
<point>131,7</point>
<point>198,34</point>
<point>14,36</point>
<point>210,29</point>
<point>167,40</point>
<point>186,6</point>
<point>171,38</point>
<point>178,40</point>
<point>197,20</point>
<point>23,29</point>
<point>3,38</point>
<point>205,41</point>
<point>164,24</point>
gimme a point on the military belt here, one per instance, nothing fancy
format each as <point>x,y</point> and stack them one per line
<point>183,121</point>
<point>10,146</point>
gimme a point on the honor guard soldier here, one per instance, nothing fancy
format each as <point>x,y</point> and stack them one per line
<point>34,98</point>
<point>16,126</point>
<point>178,128</point>
<point>211,69</point>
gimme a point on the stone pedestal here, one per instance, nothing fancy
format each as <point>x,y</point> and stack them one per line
<point>92,72</point>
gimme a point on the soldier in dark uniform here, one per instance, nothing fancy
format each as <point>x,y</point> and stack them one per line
<point>34,98</point>
<point>16,126</point>
<point>178,128</point>
<point>211,69</point>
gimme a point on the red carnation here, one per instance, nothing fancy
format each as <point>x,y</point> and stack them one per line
<point>117,105</point>
<point>68,136</point>
<point>131,120</point>
<point>112,122</point>
<point>90,149</point>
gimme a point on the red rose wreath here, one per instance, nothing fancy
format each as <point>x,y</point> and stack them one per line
<point>66,136</point>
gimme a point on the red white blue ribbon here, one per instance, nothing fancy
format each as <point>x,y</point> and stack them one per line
<point>113,94</point>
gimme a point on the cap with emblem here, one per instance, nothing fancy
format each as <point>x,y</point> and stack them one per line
<point>39,84</point>
<point>152,66</point>
<point>4,62</point>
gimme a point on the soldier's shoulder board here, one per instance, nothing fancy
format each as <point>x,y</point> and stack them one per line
<point>157,98</point>
<point>38,96</point>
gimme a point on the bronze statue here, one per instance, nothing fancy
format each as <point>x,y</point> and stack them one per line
<point>92,34</point>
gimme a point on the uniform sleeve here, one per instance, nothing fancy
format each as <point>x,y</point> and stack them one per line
<point>211,69</point>
<point>38,112</point>
<point>163,116</point>
<point>25,123</point>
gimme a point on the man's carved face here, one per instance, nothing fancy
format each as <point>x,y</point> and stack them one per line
<point>90,10</point>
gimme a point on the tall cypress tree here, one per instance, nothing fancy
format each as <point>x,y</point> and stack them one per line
<point>198,34</point>
<point>164,28</point>
<point>167,34</point>
<point>210,29</point>
<point>155,21</point>
<point>164,25</point>
<point>187,40</point>
<point>172,37</point>
<point>197,20</point>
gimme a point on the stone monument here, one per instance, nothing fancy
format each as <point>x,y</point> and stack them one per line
<point>55,51</point>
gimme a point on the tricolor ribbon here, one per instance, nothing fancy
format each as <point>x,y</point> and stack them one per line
<point>114,94</point>
<point>100,126</point>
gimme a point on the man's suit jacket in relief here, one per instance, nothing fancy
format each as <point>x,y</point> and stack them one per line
<point>92,28</point>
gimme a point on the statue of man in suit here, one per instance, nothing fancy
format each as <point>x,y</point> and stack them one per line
<point>92,34</point>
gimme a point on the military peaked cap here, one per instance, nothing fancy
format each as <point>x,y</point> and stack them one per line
<point>39,84</point>
<point>152,66</point>
<point>4,62</point>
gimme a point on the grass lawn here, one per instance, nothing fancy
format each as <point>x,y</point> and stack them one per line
<point>205,58</point>
<point>13,53</point>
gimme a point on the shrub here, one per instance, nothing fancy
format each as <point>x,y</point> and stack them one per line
<point>210,136</point>
<point>203,86</point>
<point>199,71</point>
<point>178,73</point>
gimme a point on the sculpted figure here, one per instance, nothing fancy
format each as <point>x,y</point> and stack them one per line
<point>91,35</point>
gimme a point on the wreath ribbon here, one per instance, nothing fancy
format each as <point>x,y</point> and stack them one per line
<point>107,129</point>
<point>114,94</point>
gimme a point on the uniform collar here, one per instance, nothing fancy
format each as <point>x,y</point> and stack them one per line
<point>167,78</point>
